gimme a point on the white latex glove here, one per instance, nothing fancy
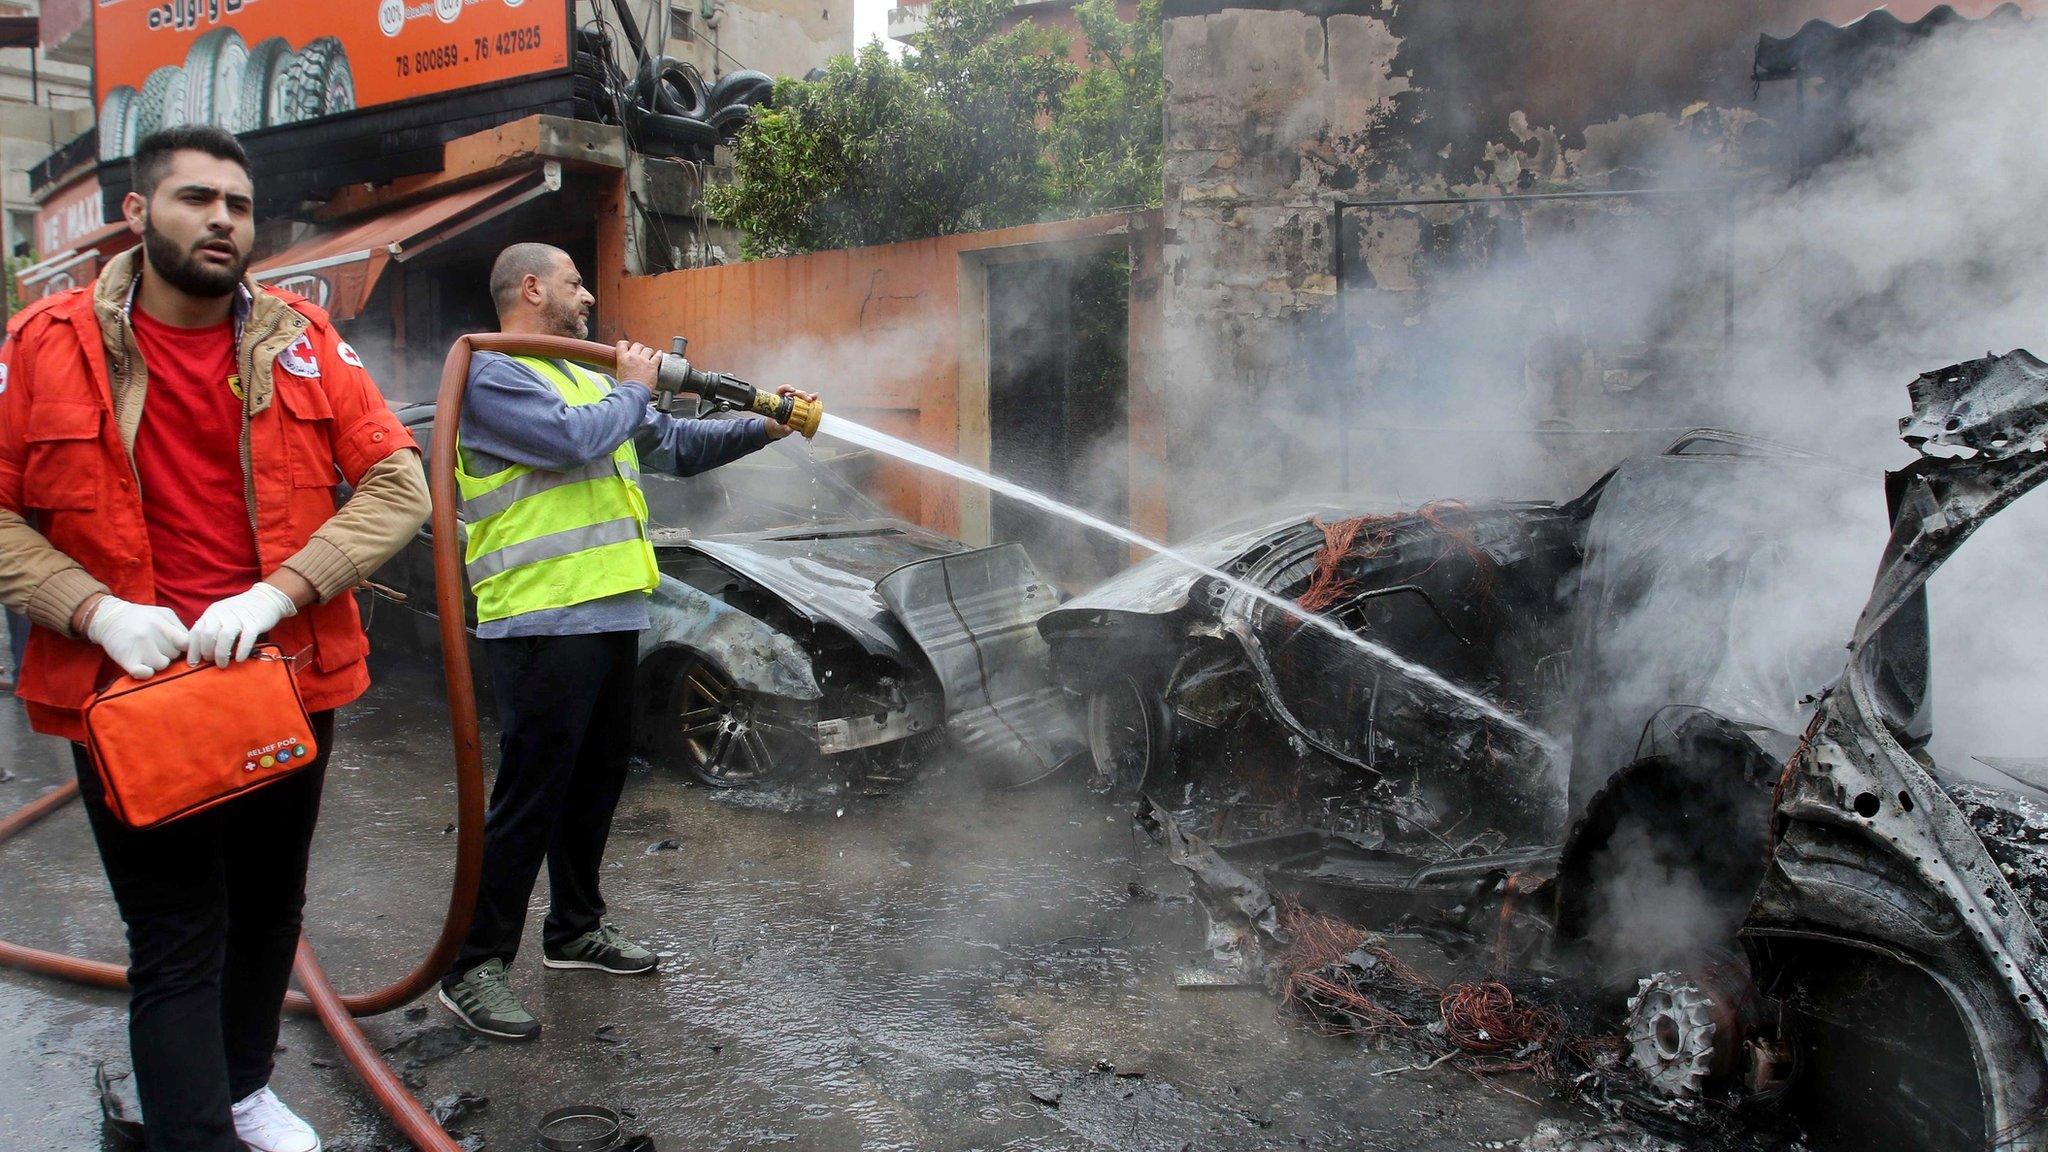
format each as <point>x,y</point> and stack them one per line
<point>228,630</point>
<point>142,638</point>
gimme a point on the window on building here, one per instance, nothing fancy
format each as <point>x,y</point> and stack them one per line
<point>682,22</point>
<point>21,232</point>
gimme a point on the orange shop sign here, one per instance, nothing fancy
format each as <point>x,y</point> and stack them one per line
<point>252,64</point>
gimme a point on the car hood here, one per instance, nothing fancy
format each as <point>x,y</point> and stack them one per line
<point>827,574</point>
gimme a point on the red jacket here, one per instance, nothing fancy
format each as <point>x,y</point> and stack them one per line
<point>66,469</point>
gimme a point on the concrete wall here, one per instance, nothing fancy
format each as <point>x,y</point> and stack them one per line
<point>892,336</point>
<point>1276,113</point>
<point>43,104</point>
<point>779,37</point>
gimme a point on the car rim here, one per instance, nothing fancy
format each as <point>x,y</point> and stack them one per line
<point>720,743</point>
<point>1120,733</point>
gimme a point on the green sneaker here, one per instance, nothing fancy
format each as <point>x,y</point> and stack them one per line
<point>602,949</point>
<point>483,1001</point>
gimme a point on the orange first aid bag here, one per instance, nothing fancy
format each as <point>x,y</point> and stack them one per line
<point>189,738</point>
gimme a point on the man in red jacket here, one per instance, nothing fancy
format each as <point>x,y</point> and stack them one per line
<point>171,440</point>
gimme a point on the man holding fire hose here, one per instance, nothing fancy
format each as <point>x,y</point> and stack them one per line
<point>171,439</point>
<point>559,559</point>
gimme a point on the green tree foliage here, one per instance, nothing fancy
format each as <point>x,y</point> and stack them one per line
<point>1106,137</point>
<point>978,128</point>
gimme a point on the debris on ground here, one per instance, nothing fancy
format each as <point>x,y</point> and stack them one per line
<point>1342,981</point>
<point>456,1107</point>
<point>1558,1136</point>
<point>120,1114</point>
<point>431,1045</point>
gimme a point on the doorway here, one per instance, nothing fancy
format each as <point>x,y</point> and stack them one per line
<point>1058,403</point>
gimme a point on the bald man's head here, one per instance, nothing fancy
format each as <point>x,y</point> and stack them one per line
<point>537,289</point>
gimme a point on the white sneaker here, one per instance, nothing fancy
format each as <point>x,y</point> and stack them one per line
<point>264,1124</point>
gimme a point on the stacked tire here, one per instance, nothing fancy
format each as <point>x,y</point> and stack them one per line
<point>675,114</point>
<point>733,99</point>
<point>225,82</point>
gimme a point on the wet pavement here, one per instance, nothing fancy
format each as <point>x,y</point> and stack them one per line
<point>948,967</point>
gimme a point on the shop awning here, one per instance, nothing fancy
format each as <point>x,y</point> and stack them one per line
<point>75,265</point>
<point>337,270</point>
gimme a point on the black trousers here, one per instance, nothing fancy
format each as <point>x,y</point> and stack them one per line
<point>565,719</point>
<point>213,904</point>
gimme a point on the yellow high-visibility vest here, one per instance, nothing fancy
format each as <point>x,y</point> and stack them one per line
<point>541,539</point>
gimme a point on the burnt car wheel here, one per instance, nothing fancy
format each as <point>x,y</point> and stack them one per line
<point>1127,733</point>
<point>699,720</point>
<point>1887,1056</point>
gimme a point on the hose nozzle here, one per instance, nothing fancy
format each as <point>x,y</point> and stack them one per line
<point>677,376</point>
<point>795,411</point>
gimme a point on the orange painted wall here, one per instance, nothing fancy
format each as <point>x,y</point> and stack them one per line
<point>875,331</point>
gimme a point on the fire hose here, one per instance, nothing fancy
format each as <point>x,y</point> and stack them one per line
<point>337,1012</point>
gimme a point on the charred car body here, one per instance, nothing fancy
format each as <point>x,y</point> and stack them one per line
<point>798,629</point>
<point>1781,897</point>
<point>1553,611</point>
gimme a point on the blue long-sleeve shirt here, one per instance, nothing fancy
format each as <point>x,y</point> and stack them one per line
<point>512,416</point>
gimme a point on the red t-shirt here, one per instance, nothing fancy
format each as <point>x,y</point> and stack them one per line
<point>188,456</point>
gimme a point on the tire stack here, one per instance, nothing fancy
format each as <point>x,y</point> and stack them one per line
<point>733,99</point>
<point>223,81</point>
<point>666,107</point>
<point>679,116</point>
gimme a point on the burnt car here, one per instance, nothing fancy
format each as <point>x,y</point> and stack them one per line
<point>1561,726</point>
<point>1612,738</point>
<point>1492,666</point>
<point>800,633</point>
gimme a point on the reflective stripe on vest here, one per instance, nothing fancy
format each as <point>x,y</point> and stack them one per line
<point>535,482</point>
<point>555,544</point>
<point>538,539</point>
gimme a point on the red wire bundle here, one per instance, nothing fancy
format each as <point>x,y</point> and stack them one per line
<point>1484,1021</point>
<point>1342,541</point>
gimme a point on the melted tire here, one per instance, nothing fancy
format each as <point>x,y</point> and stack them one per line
<point>1129,735</point>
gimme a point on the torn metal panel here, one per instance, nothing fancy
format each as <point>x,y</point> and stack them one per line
<point>1869,845</point>
<point>1243,919</point>
<point>750,653</point>
<point>827,573</point>
<point>975,615</point>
